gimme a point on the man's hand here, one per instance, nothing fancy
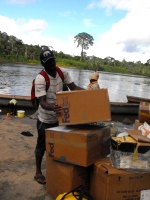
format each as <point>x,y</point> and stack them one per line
<point>58,109</point>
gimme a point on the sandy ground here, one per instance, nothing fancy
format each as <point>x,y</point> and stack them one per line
<point>17,163</point>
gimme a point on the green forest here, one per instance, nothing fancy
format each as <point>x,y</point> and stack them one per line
<point>13,50</point>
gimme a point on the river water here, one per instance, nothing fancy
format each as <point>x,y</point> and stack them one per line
<point>16,79</point>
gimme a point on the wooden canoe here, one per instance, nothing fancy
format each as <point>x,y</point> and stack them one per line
<point>22,101</point>
<point>123,108</point>
<point>116,107</point>
<point>133,99</point>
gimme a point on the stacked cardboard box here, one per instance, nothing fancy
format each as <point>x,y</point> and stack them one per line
<point>79,145</point>
<point>144,112</point>
<point>74,146</point>
<point>109,183</point>
<point>62,177</point>
<point>70,154</point>
<point>77,150</point>
<point>126,174</point>
<point>130,154</point>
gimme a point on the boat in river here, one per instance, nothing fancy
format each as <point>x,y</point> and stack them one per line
<point>123,108</point>
<point>25,103</point>
<point>133,99</point>
<point>22,101</point>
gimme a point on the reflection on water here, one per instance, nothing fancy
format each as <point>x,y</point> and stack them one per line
<point>17,79</point>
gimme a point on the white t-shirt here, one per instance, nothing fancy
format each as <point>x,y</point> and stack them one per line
<point>56,85</point>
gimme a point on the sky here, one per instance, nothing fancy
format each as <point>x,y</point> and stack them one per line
<point>120,28</point>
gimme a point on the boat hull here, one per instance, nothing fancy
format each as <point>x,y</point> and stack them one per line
<point>133,99</point>
<point>116,107</point>
<point>124,108</point>
<point>22,101</point>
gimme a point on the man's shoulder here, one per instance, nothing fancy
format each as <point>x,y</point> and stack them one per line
<point>62,69</point>
<point>39,79</point>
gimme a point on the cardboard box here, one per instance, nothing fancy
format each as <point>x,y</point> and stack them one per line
<point>137,124</point>
<point>63,177</point>
<point>144,112</point>
<point>109,183</point>
<point>131,153</point>
<point>80,145</point>
<point>84,106</point>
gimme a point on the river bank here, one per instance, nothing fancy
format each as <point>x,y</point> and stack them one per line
<point>60,64</point>
<point>84,65</point>
<point>17,159</point>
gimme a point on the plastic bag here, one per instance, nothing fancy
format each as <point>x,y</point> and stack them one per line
<point>145,129</point>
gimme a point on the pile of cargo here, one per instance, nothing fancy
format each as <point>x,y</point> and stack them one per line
<point>83,152</point>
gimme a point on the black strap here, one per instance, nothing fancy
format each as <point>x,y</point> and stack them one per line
<point>81,193</point>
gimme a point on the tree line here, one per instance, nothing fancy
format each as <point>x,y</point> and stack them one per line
<point>13,50</point>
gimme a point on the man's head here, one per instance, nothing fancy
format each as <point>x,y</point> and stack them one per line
<point>94,76</point>
<point>48,60</point>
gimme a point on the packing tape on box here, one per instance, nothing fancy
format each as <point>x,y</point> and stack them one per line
<point>135,154</point>
<point>70,143</point>
<point>119,140</point>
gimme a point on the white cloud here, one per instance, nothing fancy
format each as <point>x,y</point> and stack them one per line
<point>88,23</point>
<point>117,4</point>
<point>127,39</point>
<point>31,33</point>
<point>8,25</point>
<point>20,28</point>
<point>34,25</point>
<point>91,5</point>
<point>109,4</point>
<point>65,14</point>
<point>20,21</point>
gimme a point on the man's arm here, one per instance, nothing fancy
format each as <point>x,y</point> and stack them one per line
<point>73,86</point>
<point>49,106</point>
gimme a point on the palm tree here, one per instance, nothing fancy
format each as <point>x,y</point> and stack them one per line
<point>84,40</point>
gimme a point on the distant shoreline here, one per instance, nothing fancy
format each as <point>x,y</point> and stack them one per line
<point>73,67</point>
<point>38,64</point>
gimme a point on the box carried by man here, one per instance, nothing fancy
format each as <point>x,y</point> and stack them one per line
<point>84,106</point>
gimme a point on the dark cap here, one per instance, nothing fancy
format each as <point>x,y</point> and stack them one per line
<point>45,55</point>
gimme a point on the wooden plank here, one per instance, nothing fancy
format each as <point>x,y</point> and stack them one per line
<point>134,99</point>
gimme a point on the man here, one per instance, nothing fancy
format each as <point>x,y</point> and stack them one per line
<point>94,81</point>
<point>48,109</point>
